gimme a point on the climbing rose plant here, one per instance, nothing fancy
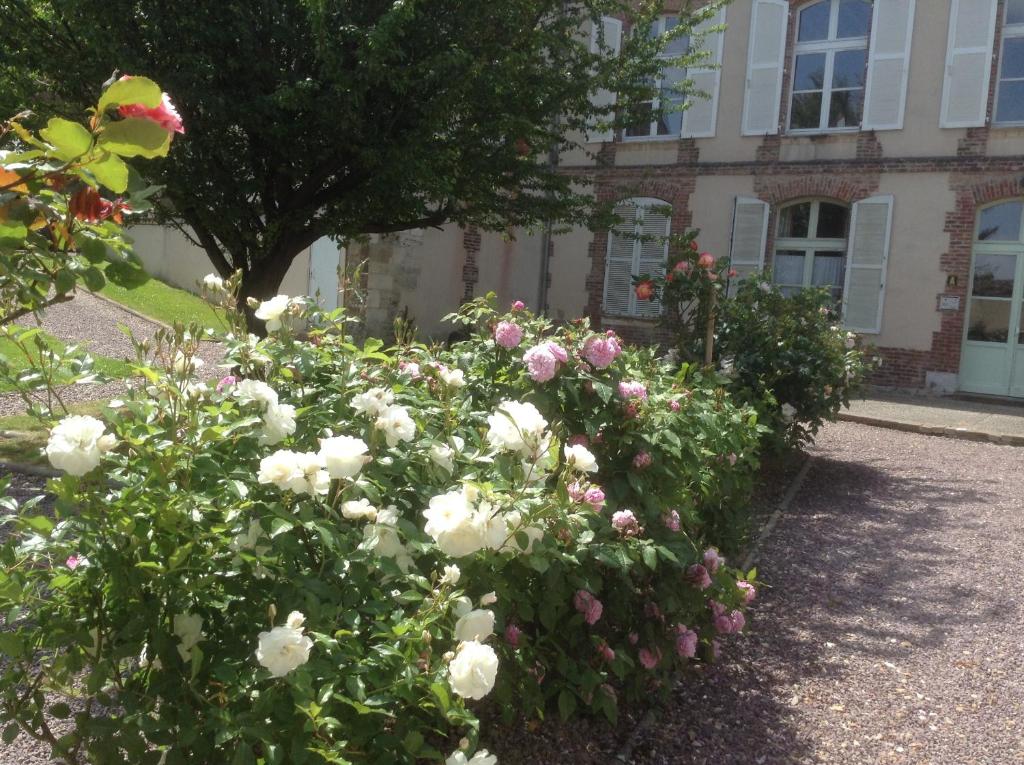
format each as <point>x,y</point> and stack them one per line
<point>335,554</point>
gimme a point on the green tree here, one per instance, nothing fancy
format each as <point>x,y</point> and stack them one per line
<point>312,118</point>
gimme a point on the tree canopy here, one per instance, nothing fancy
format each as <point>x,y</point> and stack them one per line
<point>308,118</point>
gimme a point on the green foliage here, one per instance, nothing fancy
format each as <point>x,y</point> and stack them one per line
<point>347,117</point>
<point>131,286</point>
<point>787,357</point>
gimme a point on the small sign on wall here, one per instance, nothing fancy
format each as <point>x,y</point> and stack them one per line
<point>949,302</point>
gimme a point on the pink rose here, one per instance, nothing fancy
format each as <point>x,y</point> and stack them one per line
<point>594,497</point>
<point>601,351</point>
<point>686,642</point>
<point>576,491</point>
<point>540,363</point>
<point>73,562</point>
<point>625,522</point>
<point>642,460</point>
<point>713,276</point>
<point>699,576</point>
<point>707,260</point>
<point>410,368</point>
<point>165,115</point>
<point>512,634</point>
<point>630,389</point>
<point>588,605</point>
<point>682,266</point>
<point>748,590</point>
<point>671,520</point>
<point>632,411</point>
<point>226,382</point>
<point>712,560</point>
<point>519,305</point>
<point>508,334</point>
<point>557,351</point>
<point>650,658</point>
<point>674,405</point>
<point>606,652</point>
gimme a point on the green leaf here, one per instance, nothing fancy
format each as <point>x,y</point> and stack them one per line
<point>111,171</point>
<point>39,523</point>
<point>10,732</point>
<point>650,557</point>
<point>413,741</point>
<point>566,704</point>
<point>61,711</point>
<point>135,137</point>
<point>134,90</point>
<point>12,233</point>
<point>94,279</point>
<point>69,138</point>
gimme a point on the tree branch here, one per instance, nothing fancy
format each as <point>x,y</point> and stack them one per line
<point>53,301</point>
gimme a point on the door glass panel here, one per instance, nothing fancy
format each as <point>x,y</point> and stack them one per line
<point>990,320</point>
<point>1000,223</point>
<point>814,22</point>
<point>854,17</point>
<point>789,267</point>
<point>794,221</point>
<point>832,221</point>
<point>993,275</point>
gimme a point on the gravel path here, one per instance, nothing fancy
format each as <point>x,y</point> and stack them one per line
<point>97,324</point>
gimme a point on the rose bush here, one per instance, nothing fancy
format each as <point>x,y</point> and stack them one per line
<point>789,358</point>
<point>439,526</point>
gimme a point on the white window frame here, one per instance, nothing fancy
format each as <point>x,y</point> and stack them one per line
<point>1010,32</point>
<point>640,205</point>
<point>810,247</point>
<point>830,47</point>
<point>659,29</point>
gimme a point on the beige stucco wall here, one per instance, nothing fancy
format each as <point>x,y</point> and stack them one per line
<point>649,152</point>
<point>166,254</point>
<point>510,266</point>
<point>427,272</point>
<point>712,205</point>
<point>1006,141</point>
<point>914,277</point>
<point>569,267</point>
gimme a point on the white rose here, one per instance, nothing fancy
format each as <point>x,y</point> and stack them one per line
<point>476,625</point>
<point>272,310</point>
<point>461,606</point>
<point>788,412</point>
<point>213,283</point>
<point>580,458</point>
<point>302,473</point>
<point>279,468</point>
<point>451,576</point>
<point>77,443</point>
<point>516,427</point>
<point>473,670</point>
<point>278,423</point>
<point>185,365</point>
<point>373,402</point>
<point>343,456</point>
<point>488,599</point>
<point>189,630</point>
<point>358,509</point>
<point>443,456</point>
<point>451,521</point>
<point>284,648</point>
<point>315,479</point>
<point>493,527</point>
<point>453,378</point>
<point>396,424</point>
<point>483,757</point>
<point>254,391</point>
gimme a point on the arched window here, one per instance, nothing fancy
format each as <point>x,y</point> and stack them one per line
<point>637,245</point>
<point>830,65</point>
<point>811,246</point>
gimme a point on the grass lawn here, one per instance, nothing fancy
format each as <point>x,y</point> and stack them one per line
<point>18,363</point>
<point>133,288</point>
<point>22,438</point>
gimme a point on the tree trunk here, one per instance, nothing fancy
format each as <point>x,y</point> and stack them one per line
<point>263,280</point>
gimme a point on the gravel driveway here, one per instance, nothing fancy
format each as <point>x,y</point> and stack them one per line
<point>96,324</point>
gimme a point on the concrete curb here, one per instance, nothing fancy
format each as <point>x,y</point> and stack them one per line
<point>626,752</point>
<point>132,311</point>
<point>964,434</point>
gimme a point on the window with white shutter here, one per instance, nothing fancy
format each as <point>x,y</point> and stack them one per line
<point>892,29</point>
<point>701,115</point>
<point>637,245</point>
<point>866,262</point>
<point>810,247</point>
<point>765,55</point>
<point>1010,90</point>
<point>749,236</point>
<point>667,104</point>
<point>972,28</point>
<point>606,40</point>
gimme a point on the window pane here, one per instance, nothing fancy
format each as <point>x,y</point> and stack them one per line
<point>832,220</point>
<point>809,72</point>
<point>854,18</point>
<point>827,269</point>
<point>846,108</point>
<point>1015,12</point>
<point>1013,58</point>
<point>993,275</point>
<point>1011,101</point>
<point>641,127</point>
<point>1000,223</point>
<point>1020,336</point>
<point>848,69</point>
<point>814,22</point>
<point>806,111</point>
<point>990,320</point>
<point>671,120</point>
<point>788,267</point>
<point>794,221</point>
<point>678,46</point>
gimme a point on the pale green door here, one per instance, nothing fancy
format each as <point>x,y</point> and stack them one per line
<point>993,352</point>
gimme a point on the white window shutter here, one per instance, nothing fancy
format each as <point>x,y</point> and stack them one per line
<point>618,273</point>
<point>972,29</point>
<point>749,236</point>
<point>892,28</point>
<point>655,225</point>
<point>701,115</point>
<point>765,61</point>
<point>866,262</point>
<point>609,47</point>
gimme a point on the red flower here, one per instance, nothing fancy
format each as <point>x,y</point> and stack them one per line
<point>732,273</point>
<point>707,260</point>
<point>165,115</point>
<point>645,290</point>
<point>88,205</point>
<point>694,246</point>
